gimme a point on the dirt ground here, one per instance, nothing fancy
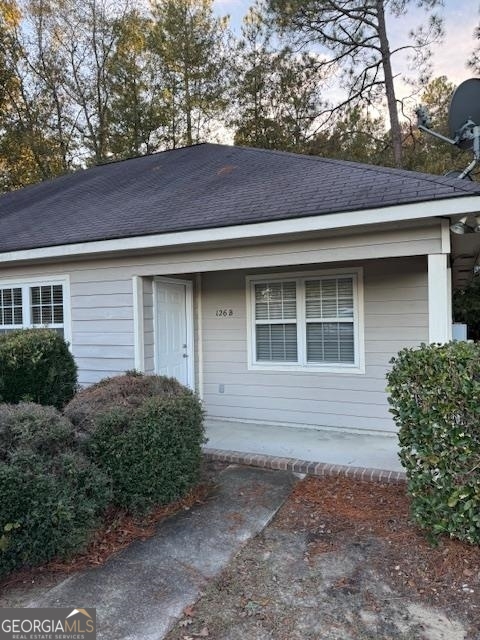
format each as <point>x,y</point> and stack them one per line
<point>342,561</point>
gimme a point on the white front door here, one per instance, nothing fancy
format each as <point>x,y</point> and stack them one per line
<point>173,343</point>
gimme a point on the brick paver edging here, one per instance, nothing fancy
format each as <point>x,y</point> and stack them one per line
<point>303,466</point>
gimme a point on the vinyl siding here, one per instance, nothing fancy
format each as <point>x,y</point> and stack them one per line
<point>396,315</point>
<point>102,326</point>
<point>102,313</point>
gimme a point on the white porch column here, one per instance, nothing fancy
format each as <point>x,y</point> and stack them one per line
<point>138,328</point>
<point>199,324</point>
<point>439,299</point>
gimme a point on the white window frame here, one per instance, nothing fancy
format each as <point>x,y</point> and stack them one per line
<point>25,284</point>
<point>357,367</point>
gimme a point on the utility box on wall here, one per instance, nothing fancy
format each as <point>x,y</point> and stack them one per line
<point>459,331</point>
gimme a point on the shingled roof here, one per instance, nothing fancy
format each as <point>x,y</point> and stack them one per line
<point>201,187</point>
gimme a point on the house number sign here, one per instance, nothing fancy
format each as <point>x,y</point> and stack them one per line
<point>224,313</point>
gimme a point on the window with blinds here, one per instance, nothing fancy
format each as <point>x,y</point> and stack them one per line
<point>11,315</point>
<point>305,321</point>
<point>275,320</point>
<point>46,303</point>
<point>31,305</point>
<point>329,316</point>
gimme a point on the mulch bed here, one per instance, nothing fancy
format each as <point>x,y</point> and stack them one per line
<point>336,510</point>
<point>280,585</point>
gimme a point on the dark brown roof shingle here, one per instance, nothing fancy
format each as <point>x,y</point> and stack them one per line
<point>204,186</point>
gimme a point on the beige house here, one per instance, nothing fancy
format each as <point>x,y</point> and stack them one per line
<point>278,286</point>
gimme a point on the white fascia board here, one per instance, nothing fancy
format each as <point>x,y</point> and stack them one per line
<point>345,219</point>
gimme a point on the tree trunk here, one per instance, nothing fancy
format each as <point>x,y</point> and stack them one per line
<point>395,130</point>
<point>188,107</point>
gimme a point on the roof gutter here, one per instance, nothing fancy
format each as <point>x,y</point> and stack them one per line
<point>272,229</point>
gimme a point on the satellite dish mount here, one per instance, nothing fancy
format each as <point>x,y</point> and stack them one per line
<point>463,122</point>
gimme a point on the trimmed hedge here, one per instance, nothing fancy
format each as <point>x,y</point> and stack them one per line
<point>52,496</point>
<point>120,392</point>
<point>141,447</point>
<point>41,430</point>
<point>36,366</point>
<point>146,433</point>
<point>435,400</point>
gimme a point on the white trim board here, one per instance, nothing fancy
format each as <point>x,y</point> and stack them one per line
<point>199,323</point>
<point>138,328</point>
<point>413,211</point>
<point>439,306</point>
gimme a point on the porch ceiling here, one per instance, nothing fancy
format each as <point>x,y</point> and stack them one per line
<point>465,256</point>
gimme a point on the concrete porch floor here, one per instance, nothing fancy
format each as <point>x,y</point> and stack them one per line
<point>372,451</point>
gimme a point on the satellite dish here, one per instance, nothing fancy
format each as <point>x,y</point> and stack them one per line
<point>463,121</point>
<point>464,111</point>
<point>457,174</point>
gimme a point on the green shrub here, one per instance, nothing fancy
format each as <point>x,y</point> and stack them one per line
<point>121,392</point>
<point>435,400</point>
<point>36,366</point>
<point>52,496</point>
<point>146,433</point>
<point>42,430</point>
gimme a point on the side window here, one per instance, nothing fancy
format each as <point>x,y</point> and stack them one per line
<point>46,304</point>
<point>32,305</point>
<point>11,311</point>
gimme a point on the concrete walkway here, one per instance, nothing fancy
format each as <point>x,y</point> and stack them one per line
<point>369,450</point>
<point>140,592</point>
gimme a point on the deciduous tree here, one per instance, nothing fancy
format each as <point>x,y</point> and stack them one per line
<point>86,40</point>
<point>29,148</point>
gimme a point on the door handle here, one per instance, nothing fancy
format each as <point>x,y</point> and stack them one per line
<point>185,355</point>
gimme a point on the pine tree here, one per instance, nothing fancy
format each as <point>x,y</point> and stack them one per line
<point>354,32</point>
<point>474,60</point>
<point>277,93</point>
<point>189,44</point>
<point>357,136</point>
<point>136,112</point>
